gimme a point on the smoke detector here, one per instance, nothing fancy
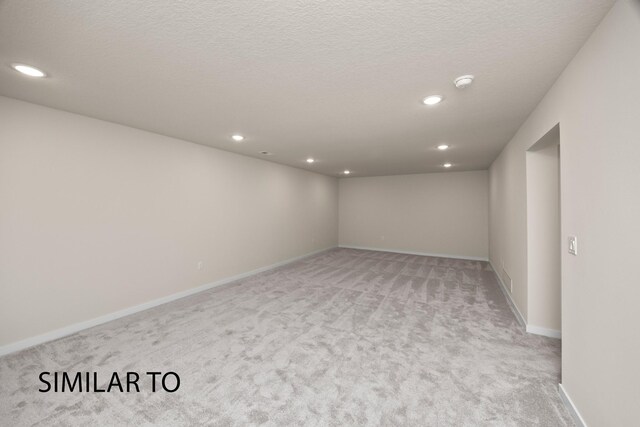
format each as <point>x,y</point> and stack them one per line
<point>463,81</point>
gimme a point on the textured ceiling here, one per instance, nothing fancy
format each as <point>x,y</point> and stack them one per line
<point>339,80</point>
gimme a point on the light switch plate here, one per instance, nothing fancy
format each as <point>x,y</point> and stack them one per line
<point>573,245</point>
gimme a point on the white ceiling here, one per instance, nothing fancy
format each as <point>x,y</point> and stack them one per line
<point>339,80</point>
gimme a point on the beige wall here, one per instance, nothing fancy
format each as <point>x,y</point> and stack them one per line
<point>437,213</point>
<point>597,103</point>
<point>97,217</point>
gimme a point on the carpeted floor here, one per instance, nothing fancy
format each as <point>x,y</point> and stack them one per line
<point>347,337</point>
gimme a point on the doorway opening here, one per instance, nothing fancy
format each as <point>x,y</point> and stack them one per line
<point>543,235</point>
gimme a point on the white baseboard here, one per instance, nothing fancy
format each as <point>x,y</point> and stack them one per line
<point>77,327</point>
<point>396,251</point>
<point>571,407</point>
<point>510,301</point>
<point>532,329</point>
<point>539,330</point>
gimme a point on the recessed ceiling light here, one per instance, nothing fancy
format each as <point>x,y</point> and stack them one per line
<point>443,147</point>
<point>310,160</point>
<point>237,138</point>
<point>347,172</point>
<point>28,70</point>
<point>432,99</point>
<point>447,165</point>
<point>463,81</point>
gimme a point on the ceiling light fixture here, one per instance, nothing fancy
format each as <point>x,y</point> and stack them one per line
<point>28,70</point>
<point>447,165</point>
<point>463,81</point>
<point>433,99</point>
<point>443,147</point>
<point>237,138</point>
<point>310,160</point>
<point>347,172</point>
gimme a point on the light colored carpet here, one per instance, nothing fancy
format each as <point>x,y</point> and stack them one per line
<point>347,337</point>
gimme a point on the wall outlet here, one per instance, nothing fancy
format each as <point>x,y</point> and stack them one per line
<point>200,265</point>
<point>382,238</point>
<point>573,245</point>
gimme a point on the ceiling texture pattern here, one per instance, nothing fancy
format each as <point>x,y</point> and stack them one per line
<point>338,80</point>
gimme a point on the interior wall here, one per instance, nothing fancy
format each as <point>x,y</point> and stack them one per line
<point>543,233</point>
<point>597,106</point>
<point>436,213</point>
<point>96,217</point>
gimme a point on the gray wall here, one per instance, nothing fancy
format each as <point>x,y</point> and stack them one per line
<point>596,100</point>
<point>97,217</point>
<point>438,213</point>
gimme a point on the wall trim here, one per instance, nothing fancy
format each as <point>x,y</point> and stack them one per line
<point>571,406</point>
<point>396,251</point>
<point>539,330</point>
<point>510,301</point>
<point>532,329</point>
<point>77,327</point>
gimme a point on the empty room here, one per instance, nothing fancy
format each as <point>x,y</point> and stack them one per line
<point>320,213</point>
